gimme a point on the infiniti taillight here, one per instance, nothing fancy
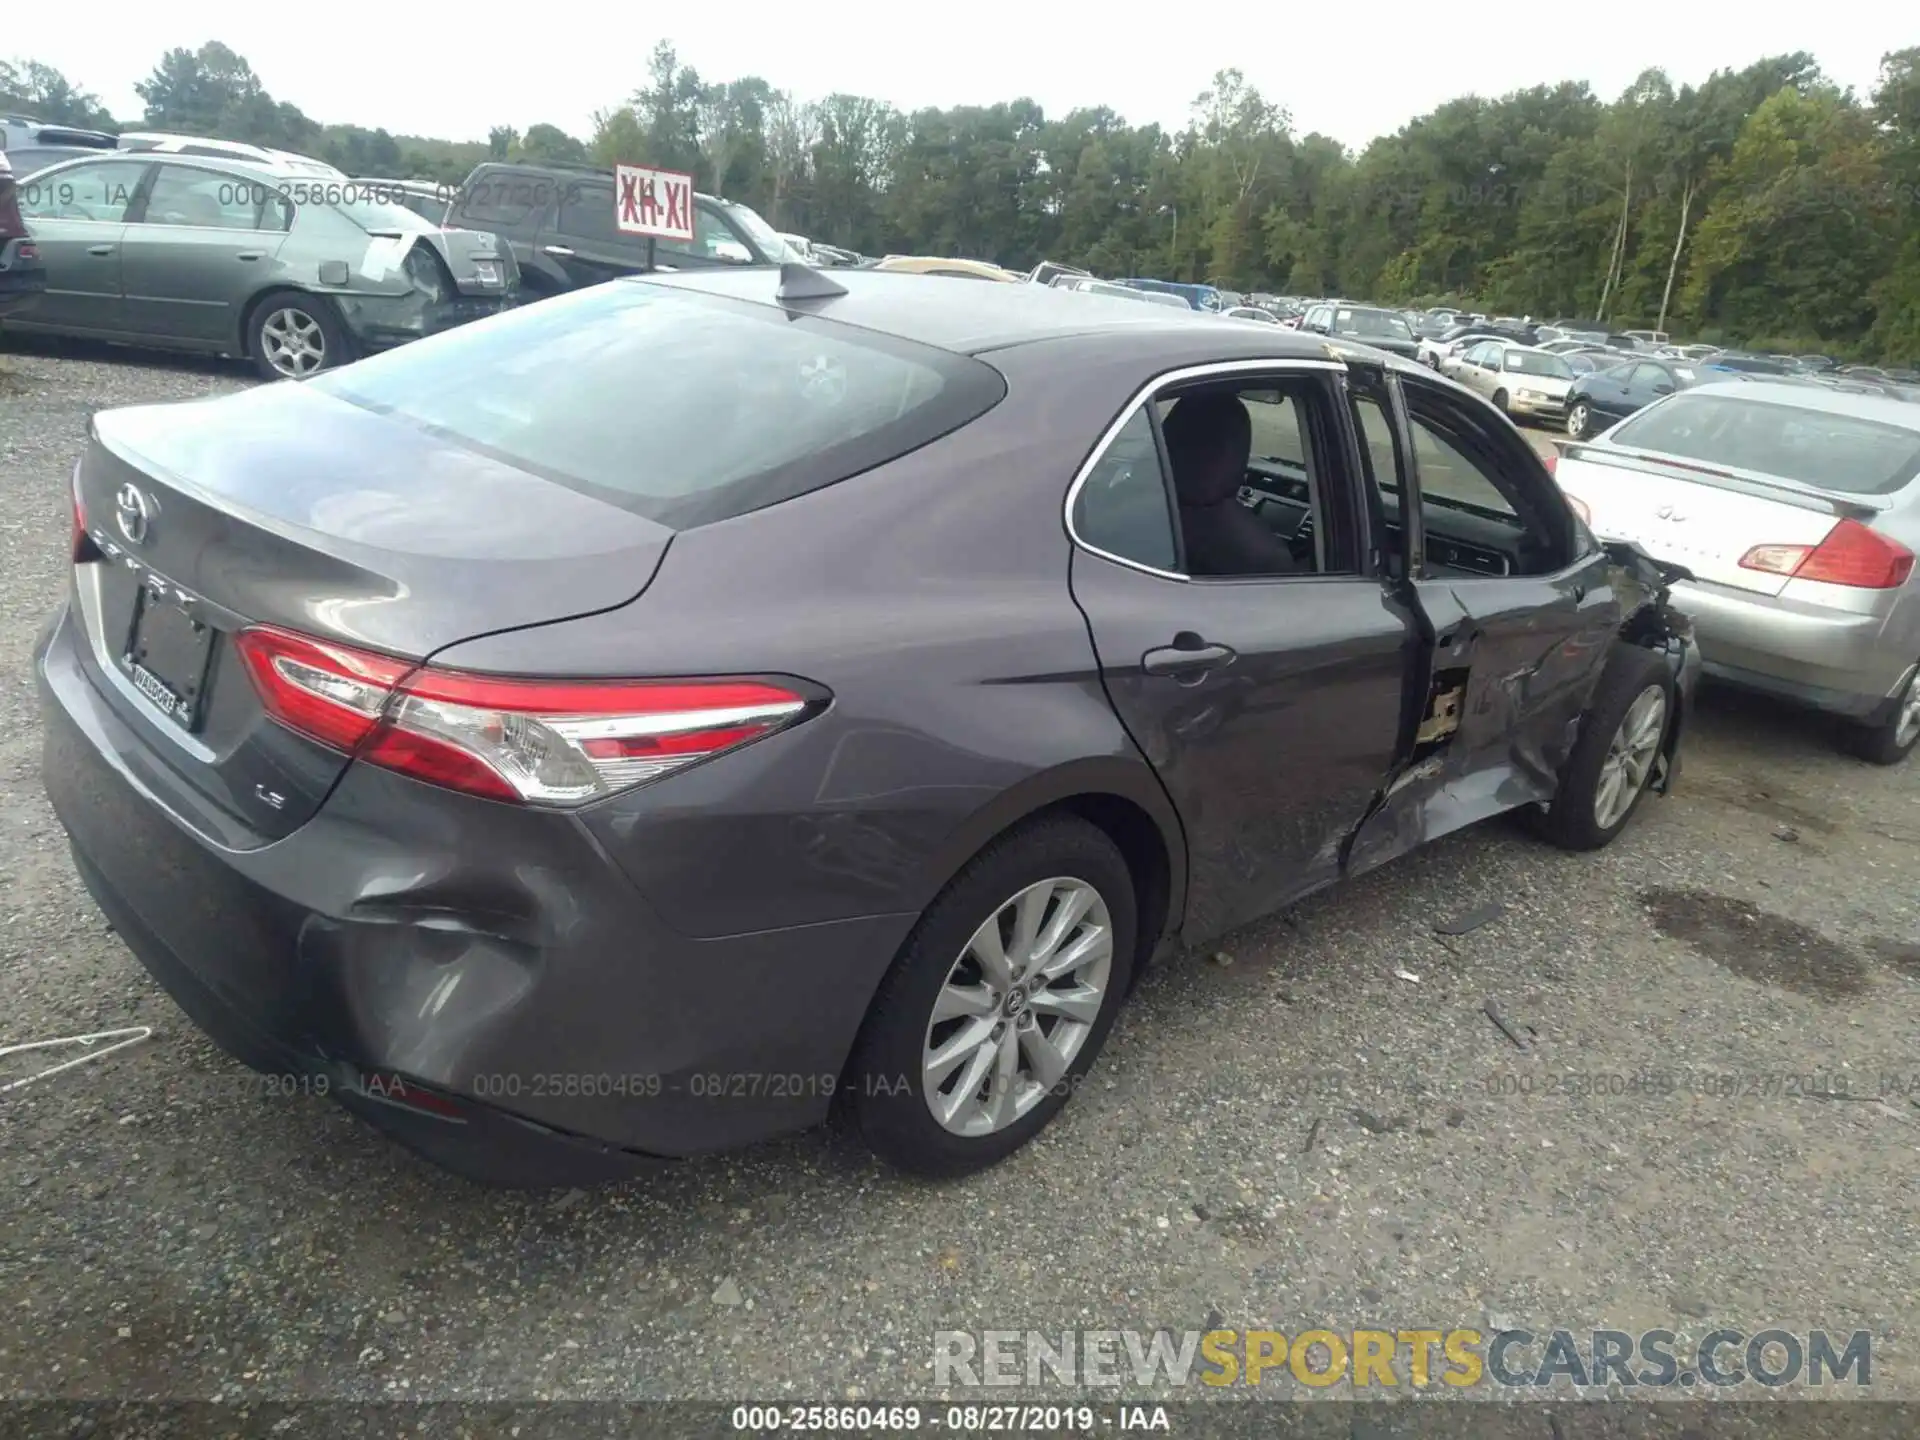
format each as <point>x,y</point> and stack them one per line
<point>546,742</point>
<point>1851,554</point>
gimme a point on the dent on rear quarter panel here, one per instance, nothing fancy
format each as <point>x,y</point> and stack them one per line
<point>930,596</point>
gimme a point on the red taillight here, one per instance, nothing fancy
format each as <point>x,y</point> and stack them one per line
<point>536,741</point>
<point>82,543</point>
<point>1851,554</point>
<point>330,693</point>
<point>1552,462</point>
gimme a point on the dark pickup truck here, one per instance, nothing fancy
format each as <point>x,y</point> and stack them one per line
<point>559,220</point>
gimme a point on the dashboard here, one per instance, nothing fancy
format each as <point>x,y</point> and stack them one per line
<point>1459,541</point>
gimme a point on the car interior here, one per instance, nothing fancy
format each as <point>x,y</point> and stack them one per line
<point>1247,481</point>
<point>1245,486</point>
<point>1486,505</point>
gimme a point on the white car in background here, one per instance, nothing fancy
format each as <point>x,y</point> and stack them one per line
<point>1797,508</point>
<point>159,143</point>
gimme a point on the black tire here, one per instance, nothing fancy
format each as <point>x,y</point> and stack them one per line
<point>1881,742</point>
<point>1571,821</point>
<point>1579,420</point>
<point>884,1094</point>
<point>1500,401</point>
<point>274,310</point>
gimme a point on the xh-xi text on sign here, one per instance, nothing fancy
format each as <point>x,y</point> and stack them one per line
<point>653,202</point>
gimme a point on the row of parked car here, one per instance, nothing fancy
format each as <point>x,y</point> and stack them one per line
<point>199,244</point>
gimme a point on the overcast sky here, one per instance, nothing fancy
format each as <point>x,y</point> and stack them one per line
<point>1347,70</point>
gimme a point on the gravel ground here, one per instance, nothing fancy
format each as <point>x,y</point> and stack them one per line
<point>1290,1138</point>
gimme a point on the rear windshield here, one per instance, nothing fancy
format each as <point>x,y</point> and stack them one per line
<point>681,407</point>
<point>1815,447</point>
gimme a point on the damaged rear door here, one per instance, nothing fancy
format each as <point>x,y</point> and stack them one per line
<point>1518,607</point>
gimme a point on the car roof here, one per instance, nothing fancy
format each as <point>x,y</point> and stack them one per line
<point>970,318</point>
<point>244,164</point>
<point>583,172</point>
<point>1812,395</point>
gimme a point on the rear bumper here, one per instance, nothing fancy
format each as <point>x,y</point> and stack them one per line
<point>1833,660</point>
<point>489,953</point>
<point>380,322</point>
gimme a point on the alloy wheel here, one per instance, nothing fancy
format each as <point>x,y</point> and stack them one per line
<point>1577,419</point>
<point>1907,728</point>
<point>293,342</point>
<point>1629,759</point>
<point>1018,1005</point>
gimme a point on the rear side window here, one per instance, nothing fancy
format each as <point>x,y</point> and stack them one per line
<point>1123,507</point>
<point>589,215</point>
<point>1815,447</point>
<point>503,198</point>
<point>684,408</point>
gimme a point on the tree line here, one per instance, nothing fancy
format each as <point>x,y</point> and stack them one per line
<point>1764,206</point>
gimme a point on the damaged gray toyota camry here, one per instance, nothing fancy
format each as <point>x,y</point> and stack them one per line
<point>659,718</point>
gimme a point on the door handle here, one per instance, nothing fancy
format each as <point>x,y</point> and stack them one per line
<point>250,255</point>
<point>561,250</point>
<point>1189,655</point>
<point>99,250</point>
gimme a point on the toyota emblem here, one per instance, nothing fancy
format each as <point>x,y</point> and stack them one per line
<point>134,513</point>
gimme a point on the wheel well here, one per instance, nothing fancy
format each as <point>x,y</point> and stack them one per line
<point>1145,851</point>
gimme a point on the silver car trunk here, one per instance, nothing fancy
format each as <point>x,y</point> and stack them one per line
<point>1701,517</point>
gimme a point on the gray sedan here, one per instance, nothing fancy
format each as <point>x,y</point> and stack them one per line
<point>1797,508</point>
<point>239,257</point>
<point>631,726</point>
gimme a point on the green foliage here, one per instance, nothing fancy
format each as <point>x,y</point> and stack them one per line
<point>30,88</point>
<point>1761,202</point>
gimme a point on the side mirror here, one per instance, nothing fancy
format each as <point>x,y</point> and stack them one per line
<point>1664,387</point>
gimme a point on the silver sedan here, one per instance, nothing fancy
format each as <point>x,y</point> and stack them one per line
<point>1523,380</point>
<point>1797,508</point>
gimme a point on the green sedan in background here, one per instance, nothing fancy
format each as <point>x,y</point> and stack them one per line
<point>297,272</point>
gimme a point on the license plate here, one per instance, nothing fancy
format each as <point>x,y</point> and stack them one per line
<point>167,658</point>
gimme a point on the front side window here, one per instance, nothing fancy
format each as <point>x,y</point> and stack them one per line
<point>1123,507</point>
<point>713,242</point>
<point>684,408</point>
<point>1486,504</point>
<point>99,191</point>
<point>772,244</point>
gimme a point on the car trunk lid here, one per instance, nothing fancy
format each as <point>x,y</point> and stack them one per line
<point>1703,517</point>
<point>215,515</point>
